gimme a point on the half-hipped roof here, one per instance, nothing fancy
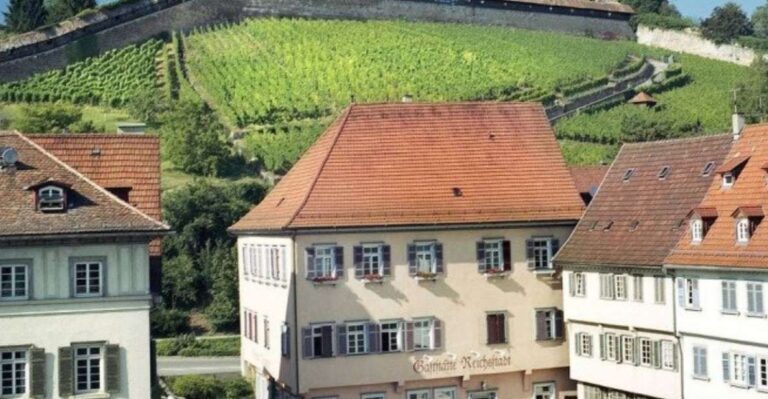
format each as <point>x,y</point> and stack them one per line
<point>637,215</point>
<point>748,197</point>
<point>424,164</point>
<point>94,210</point>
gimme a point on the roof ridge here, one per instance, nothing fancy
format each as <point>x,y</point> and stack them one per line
<point>322,166</point>
<point>89,181</point>
<point>675,140</point>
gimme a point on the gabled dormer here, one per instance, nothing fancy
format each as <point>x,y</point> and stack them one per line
<point>747,219</point>
<point>700,222</point>
<point>51,196</point>
<point>730,171</point>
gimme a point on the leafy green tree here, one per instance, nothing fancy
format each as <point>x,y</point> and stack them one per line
<point>726,24</point>
<point>60,10</point>
<point>639,128</point>
<point>194,139</point>
<point>661,7</point>
<point>25,15</point>
<point>181,282</point>
<point>760,21</point>
<point>752,93</point>
<point>49,118</point>
<point>221,265</point>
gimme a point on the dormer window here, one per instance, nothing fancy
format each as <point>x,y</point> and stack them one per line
<point>728,179</point>
<point>697,230</point>
<point>51,199</point>
<point>701,220</point>
<point>742,230</point>
<point>730,170</point>
<point>748,218</point>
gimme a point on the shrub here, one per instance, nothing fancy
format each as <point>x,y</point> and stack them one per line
<point>51,118</point>
<point>238,389</point>
<point>663,21</point>
<point>189,346</point>
<point>168,322</point>
<point>197,387</point>
<point>726,24</point>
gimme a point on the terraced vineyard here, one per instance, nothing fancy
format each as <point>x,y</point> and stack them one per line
<point>111,79</point>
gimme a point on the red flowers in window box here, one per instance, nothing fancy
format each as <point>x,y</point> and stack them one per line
<point>373,277</point>
<point>324,279</point>
<point>426,275</point>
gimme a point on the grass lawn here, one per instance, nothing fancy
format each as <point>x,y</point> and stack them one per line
<point>105,119</point>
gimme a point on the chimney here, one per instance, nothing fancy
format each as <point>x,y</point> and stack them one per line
<point>407,98</point>
<point>738,125</point>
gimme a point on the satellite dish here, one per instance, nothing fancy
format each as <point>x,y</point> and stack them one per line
<point>8,156</point>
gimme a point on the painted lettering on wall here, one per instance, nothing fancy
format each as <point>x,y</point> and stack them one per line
<point>464,363</point>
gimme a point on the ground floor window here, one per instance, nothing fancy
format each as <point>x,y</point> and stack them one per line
<point>646,352</point>
<point>445,393</point>
<point>762,373</point>
<point>373,396</point>
<point>88,366</point>
<point>419,394</point>
<point>13,373</point>
<point>544,391</point>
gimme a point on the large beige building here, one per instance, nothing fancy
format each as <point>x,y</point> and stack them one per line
<point>407,255</point>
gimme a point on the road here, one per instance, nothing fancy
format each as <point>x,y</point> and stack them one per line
<point>173,366</point>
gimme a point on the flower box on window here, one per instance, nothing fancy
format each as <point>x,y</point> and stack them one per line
<point>324,280</point>
<point>373,278</point>
<point>426,276</point>
<point>496,273</point>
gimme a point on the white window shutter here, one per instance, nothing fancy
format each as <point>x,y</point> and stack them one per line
<point>680,292</point>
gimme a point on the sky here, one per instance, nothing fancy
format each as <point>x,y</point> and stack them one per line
<point>693,8</point>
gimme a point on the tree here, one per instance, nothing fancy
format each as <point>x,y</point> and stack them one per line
<point>25,15</point>
<point>760,21</point>
<point>49,118</point>
<point>60,10</point>
<point>661,7</point>
<point>639,128</point>
<point>726,24</point>
<point>220,263</point>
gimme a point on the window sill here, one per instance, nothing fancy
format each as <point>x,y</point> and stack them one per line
<point>693,309</point>
<point>756,315</point>
<point>700,378</point>
<point>497,274</point>
<point>98,395</point>
<point>544,272</point>
<point>730,312</point>
<point>426,278</point>
<point>317,283</point>
<point>372,280</point>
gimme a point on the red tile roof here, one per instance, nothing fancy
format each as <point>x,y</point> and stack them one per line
<point>704,212</point>
<point>399,164</point>
<point>658,205</point>
<point>588,178</point>
<point>114,161</point>
<point>94,209</point>
<point>748,195</point>
<point>732,164</point>
<point>643,98</point>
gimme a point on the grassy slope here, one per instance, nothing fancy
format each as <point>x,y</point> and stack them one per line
<point>102,117</point>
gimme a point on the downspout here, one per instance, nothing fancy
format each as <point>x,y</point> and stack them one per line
<point>680,352</point>
<point>297,329</point>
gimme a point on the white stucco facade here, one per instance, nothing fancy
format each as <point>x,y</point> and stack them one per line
<point>724,342</point>
<point>52,318</point>
<point>641,311</point>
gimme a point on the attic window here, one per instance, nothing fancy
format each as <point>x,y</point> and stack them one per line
<point>457,192</point>
<point>747,221</point>
<point>708,168</point>
<point>608,226</point>
<point>664,172</point>
<point>697,231</point>
<point>51,199</point>
<point>628,174</point>
<point>728,179</point>
<point>743,230</point>
<point>634,225</point>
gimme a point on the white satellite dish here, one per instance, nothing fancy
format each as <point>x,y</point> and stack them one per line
<point>8,156</point>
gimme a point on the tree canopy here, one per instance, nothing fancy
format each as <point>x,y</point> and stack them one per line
<point>726,24</point>
<point>25,15</point>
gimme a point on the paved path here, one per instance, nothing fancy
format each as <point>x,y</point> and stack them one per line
<point>173,366</point>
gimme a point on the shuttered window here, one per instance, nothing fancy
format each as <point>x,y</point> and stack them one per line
<point>285,340</point>
<point>392,336</point>
<point>606,286</point>
<point>620,287</point>
<point>578,283</point>
<point>688,293</point>
<point>627,349</point>
<point>549,324</point>
<point>700,366</point>
<point>14,282</point>
<point>539,252</point>
<point>728,294</point>
<point>668,355</point>
<point>496,328</point>
<point>583,344</point>
<point>356,338</point>
<point>423,333</point>
<point>755,299</point>
<point>13,372</point>
<point>319,341</point>
<point>637,288</point>
<point>646,352</point>
<point>325,262</point>
<point>659,291</point>
<point>372,261</point>
<point>494,256</point>
<point>88,368</point>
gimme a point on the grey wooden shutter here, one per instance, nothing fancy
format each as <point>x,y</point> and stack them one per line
<point>577,344</point>
<point>559,324</point>
<point>285,343</point>
<point>680,292</point>
<point>507,250</point>
<point>341,334</point>
<point>591,346</point>
<point>751,371</point>
<point>529,254</point>
<point>490,321</point>
<point>386,256</point>
<point>409,336</point>
<point>412,259</point>
<point>310,263</point>
<point>572,283</point>
<point>338,252</point>
<point>480,252</point>
<point>66,386</point>
<point>438,326</point>
<point>656,354</point>
<point>37,372</point>
<point>439,266</point>
<point>112,364</point>
<point>602,346</point>
<point>726,367</point>
<point>541,325</point>
<point>675,358</point>
<point>636,346</point>
<point>695,286</point>
<point>357,260</point>
<point>619,349</point>
<point>327,341</point>
<point>374,338</point>
<point>555,246</point>
<point>306,339</point>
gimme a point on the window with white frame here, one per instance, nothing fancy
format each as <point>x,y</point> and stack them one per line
<point>620,287</point>
<point>13,373</point>
<point>325,261</point>
<point>742,230</point>
<point>728,179</point>
<point>423,334</point>
<point>544,390</point>
<point>494,254</point>
<point>541,252</point>
<point>584,344</point>
<point>646,352</point>
<point>740,369</point>
<point>700,366</point>
<point>419,394</point>
<point>445,393</point>
<point>549,324</point>
<point>267,332</point>
<point>668,356</point>
<point>755,299</point>
<point>637,288</point>
<point>728,293</point>
<point>392,336</point>
<point>372,260</point>
<point>580,285</point>
<point>357,338</point>
<point>373,396</point>
<point>88,368</point>
<point>697,230</point>
<point>691,293</point>
<point>88,279</point>
<point>14,282</point>
<point>426,260</point>
<point>610,345</point>
<point>51,199</point>
<point>276,263</point>
<point>762,373</point>
<point>606,286</point>
<point>628,349</point>
<point>659,291</point>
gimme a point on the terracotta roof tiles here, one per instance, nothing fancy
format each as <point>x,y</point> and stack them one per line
<point>401,164</point>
